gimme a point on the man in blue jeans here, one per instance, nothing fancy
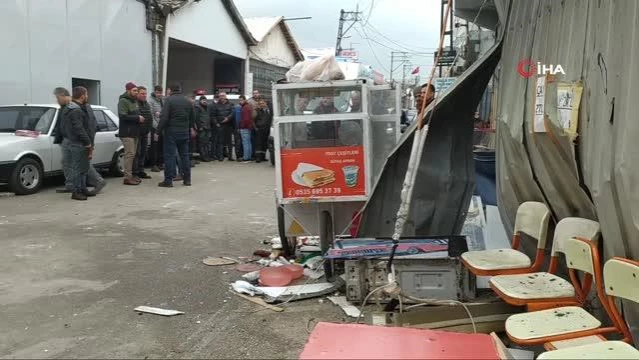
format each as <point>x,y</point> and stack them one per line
<point>246,128</point>
<point>177,124</point>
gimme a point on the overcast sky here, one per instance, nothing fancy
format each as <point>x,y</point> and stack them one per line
<point>387,25</point>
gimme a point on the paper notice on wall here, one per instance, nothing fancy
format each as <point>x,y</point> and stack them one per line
<point>540,96</point>
<point>249,85</point>
<point>568,100</point>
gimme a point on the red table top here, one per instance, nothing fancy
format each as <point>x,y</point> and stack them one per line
<point>352,341</point>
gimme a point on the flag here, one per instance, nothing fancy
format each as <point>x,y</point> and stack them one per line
<point>415,71</point>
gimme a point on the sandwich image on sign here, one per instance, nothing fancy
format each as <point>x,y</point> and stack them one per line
<point>312,176</point>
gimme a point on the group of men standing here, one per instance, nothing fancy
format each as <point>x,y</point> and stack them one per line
<point>224,127</point>
<point>171,124</point>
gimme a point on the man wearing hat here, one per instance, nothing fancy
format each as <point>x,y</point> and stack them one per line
<point>129,133</point>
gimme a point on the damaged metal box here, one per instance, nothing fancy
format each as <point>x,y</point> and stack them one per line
<point>438,276</point>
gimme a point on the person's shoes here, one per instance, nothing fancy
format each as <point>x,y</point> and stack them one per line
<point>63,191</point>
<point>132,181</point>
<point>206,160</point>
<point>78,196</point>
<point>187,182</point>
<point>165,184</point>
<point>178,178</point>
<point>196,162</point>
<point>220,160</point>
<point>161,167</point>
<point>88,193</point>
<point>155,168</point>
<point>144,176</point>
<point>258,161</point>
<point>192,165</point>
<point>97,188</point>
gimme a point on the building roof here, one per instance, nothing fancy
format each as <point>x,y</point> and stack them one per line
<point>262,26</point>
<point>230,7</point>
<point>173,5</point>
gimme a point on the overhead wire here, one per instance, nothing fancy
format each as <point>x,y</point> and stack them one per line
<point>373,51</point>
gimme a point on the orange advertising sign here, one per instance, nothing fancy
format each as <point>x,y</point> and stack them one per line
<point>323,172</point>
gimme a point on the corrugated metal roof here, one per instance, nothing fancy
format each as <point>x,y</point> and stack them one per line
<point>596,42</point>
<point>262,26</point>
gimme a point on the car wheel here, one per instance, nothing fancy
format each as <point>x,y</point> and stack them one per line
<point>271,155</point>
<point>117,164</point>
<point>27,177</point>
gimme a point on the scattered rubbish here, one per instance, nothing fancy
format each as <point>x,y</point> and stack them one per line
<point>314,262</point>
<point>299,292</point>
<point>314,274</point>
<point>163,253</point>
<point>264,262</point>
<point>225,272</point>
<point>310,248</point>
<point>262,253</point>
<point>198,322</point>
<point>275,254</point>
<point>276,276</point>
<point>297,271</point>
<point>308,240</point>
<point>260,302</point>
<point>250,267</point>
<point>252,276</point>
<point>348,308</point>
<point>230,259</point>
<point>217,261</point>
<point>245,288</point>
<point>157,311</point>
<point>276,243</point>
<point>321,301</point>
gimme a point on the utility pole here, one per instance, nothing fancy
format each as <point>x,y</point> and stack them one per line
<point>445,32</point>
<point>400,56</point>
<point>405,69</point>
<point>345,16</point>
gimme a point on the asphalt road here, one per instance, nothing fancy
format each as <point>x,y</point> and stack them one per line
<point>72,272</point>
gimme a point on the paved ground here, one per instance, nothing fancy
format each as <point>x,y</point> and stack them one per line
<point>71,272</point>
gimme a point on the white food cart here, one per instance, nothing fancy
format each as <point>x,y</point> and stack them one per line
<point>331,140</point>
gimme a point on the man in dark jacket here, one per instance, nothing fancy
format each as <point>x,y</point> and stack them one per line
<point>130,120</point>
<point>216,131</point>
<point>224,116</point>
<point>145,130</point>
<point>203,123</point>
<point>263,120</point>
<point>93,176</point>
<point>63,98</point>
<point>177,126</point>
<point>77,145</point>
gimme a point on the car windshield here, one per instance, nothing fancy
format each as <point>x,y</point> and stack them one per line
<point>14,118</point>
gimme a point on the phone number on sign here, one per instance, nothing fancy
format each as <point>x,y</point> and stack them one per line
<point>311,192</point>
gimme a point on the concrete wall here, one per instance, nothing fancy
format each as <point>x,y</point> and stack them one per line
<point>47,42</point>
<point>274,50</point>
<point>208,24</point>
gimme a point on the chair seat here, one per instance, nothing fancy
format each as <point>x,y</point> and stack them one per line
<point>497,259</point>
<point>540,285</point>
<point>602,350</point>
<point>551,322</point>
<point>585,340</point>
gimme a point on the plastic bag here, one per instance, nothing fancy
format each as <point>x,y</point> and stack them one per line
<point>322,69</point>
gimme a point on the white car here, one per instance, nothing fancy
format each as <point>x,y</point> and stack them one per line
<point>27,151</point>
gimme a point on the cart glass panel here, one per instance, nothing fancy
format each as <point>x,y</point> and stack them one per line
<point>317,101</point>
<point>383,107</point>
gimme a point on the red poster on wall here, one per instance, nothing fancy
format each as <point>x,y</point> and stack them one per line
<point>323,172</point>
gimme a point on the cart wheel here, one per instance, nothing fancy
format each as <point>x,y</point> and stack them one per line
<point>287,247</point>
<point>326,240</point>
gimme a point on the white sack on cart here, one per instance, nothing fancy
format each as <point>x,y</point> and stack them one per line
<point>322,69</point>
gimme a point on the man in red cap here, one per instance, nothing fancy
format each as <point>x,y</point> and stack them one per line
<point>130,120</point>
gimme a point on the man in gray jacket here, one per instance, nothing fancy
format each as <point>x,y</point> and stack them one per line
<point>156,101</point>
